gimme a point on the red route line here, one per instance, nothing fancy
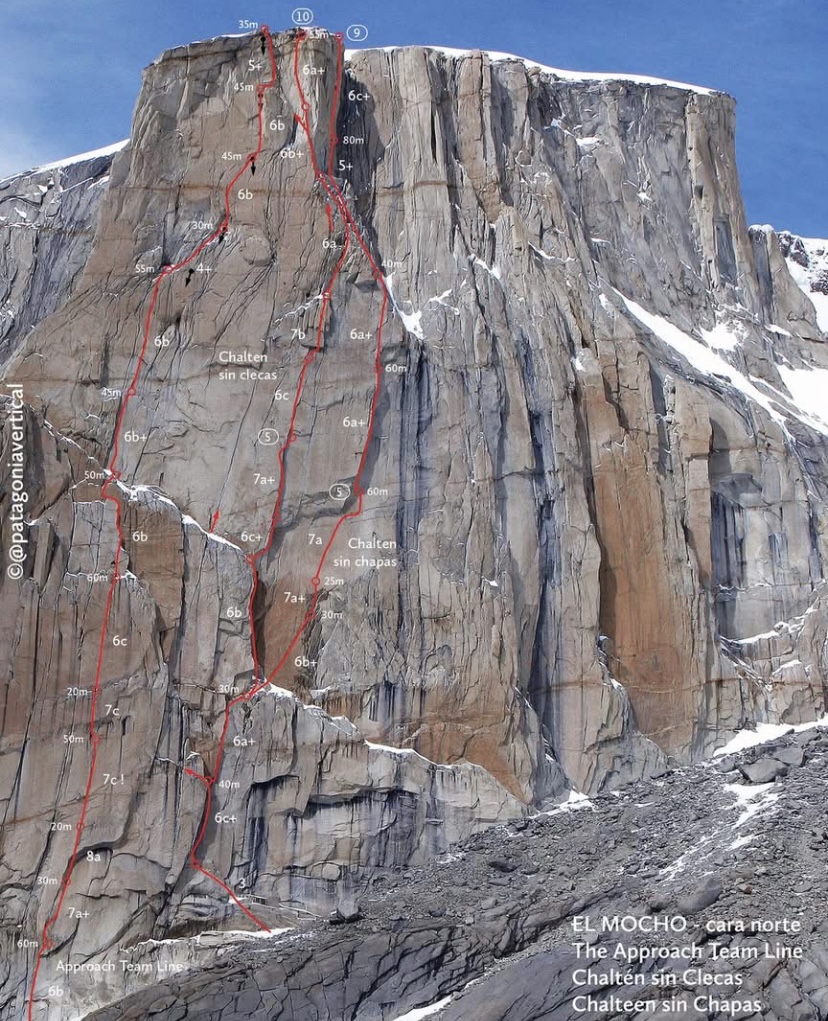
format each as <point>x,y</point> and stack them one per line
<point>46,943</point>
<point>334,192</point>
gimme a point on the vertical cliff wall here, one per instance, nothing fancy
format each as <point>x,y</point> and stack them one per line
<point>583,497</point>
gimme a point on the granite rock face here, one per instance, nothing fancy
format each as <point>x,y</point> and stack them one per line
<point>47,220</point>
<point>593,532</point>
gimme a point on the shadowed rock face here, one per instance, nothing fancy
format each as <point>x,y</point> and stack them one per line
<point>47,220</point>
<point>593,533</point>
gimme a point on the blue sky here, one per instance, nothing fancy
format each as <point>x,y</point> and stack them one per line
<point>70,71</point>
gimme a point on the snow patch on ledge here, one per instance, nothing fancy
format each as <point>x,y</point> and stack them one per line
<point>705,361</point>
<point>419,1013</point>
<point>752,800</point>
<point>214,536</point>
<point>152,495</point>
<point>749,639</point>
<point>493,271</point>
<point>543,254</point>
<point>559,72</point>
<point>575,801</point>
<point>723,337</point>
<point>210,937</point>
<point>412,321</point>
<point>808,388</point>
<point>390,750</point>
<point>816,257</point>
<point>133,491</point>
<point>107,150</point>
<point>765,732</point>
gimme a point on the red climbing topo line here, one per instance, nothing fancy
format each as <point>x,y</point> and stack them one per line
<point>114,475</point>
<point>258,684</point>
<point>334,193</point>
<point>252,558</point>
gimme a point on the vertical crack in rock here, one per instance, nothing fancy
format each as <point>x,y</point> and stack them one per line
<point>593,527</point>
